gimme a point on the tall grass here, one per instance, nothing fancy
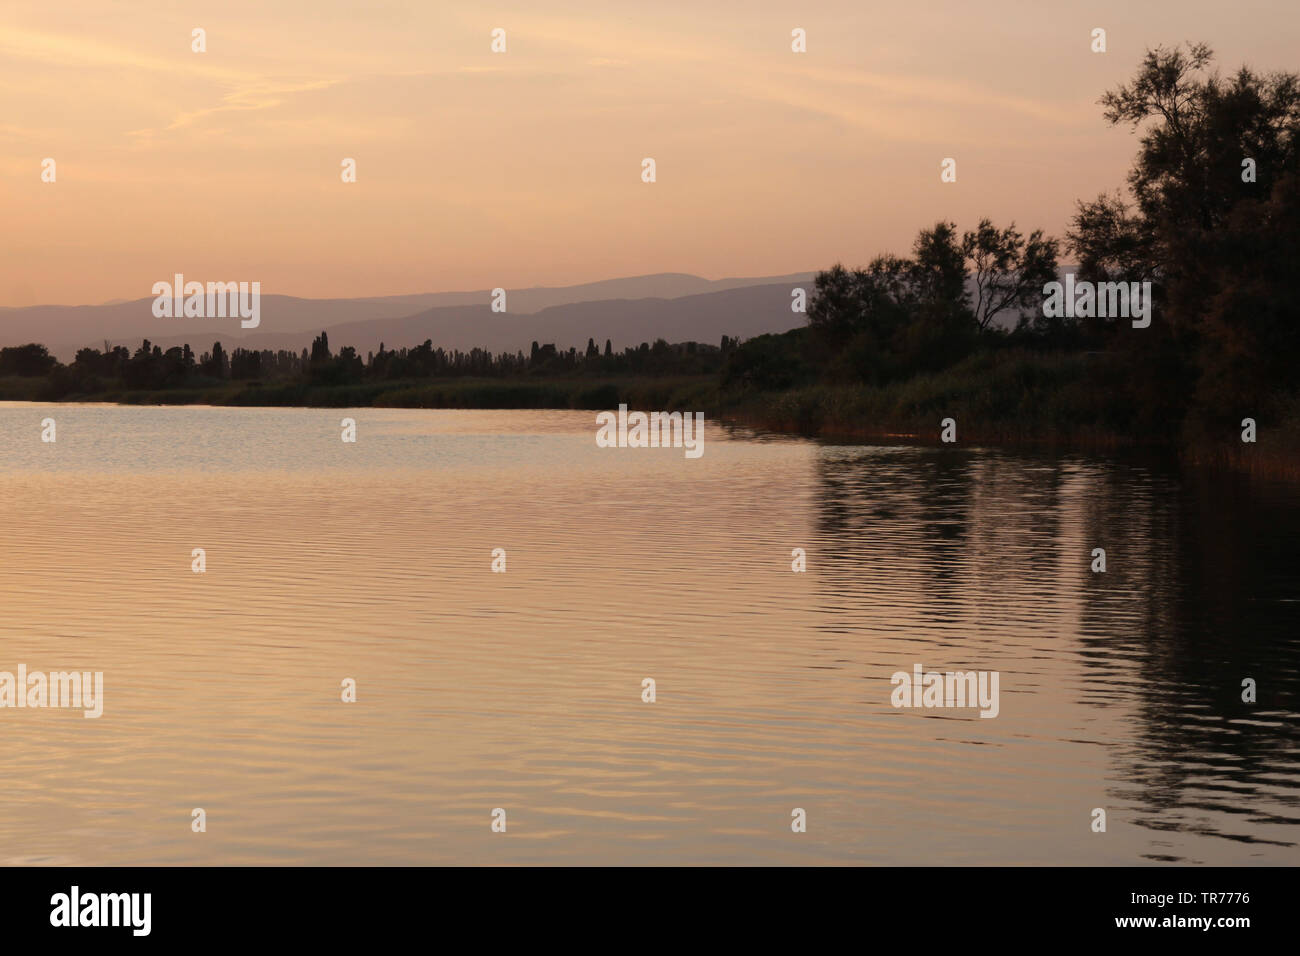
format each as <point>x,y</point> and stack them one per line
<point>1021,396</point>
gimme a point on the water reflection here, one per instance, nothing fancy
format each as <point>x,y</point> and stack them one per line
<point>1199,591</point>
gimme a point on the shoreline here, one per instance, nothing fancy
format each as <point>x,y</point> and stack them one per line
<point>761,414</point>
<point>1260,461</point>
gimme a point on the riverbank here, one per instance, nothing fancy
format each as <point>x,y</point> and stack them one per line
<point>1071,402</point>
<point>1074,401</point>
<point>483,393</point>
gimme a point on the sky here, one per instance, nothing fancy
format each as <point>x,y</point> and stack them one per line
<point>477,169</point>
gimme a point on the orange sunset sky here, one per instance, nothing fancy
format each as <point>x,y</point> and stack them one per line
<point>478,169</point>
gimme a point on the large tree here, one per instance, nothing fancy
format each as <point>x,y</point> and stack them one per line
<point>1212,195</point>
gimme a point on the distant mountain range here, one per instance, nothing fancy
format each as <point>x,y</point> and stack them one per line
<point>672,306</point>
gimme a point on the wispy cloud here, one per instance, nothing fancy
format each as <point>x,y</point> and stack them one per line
<point>263,95</point>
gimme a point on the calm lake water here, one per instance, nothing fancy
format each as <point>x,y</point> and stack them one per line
<point>522,690</point>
